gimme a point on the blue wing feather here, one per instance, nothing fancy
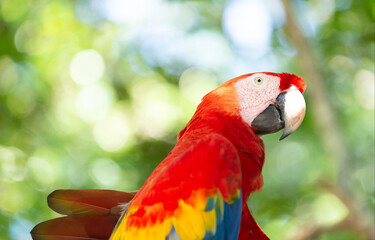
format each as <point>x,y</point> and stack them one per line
<point>229,227</point>
<point>232,218</point>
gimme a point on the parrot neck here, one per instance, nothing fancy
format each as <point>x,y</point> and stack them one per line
<point>250,147</point>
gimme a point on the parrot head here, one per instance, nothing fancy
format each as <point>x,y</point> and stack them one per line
<point>267,102</point>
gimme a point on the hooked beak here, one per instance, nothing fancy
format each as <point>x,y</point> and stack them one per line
<point>287,112</point>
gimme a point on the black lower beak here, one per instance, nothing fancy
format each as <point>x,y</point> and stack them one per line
<point>269,121</point>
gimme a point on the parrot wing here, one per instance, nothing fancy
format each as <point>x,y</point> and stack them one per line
<point>195,193</point>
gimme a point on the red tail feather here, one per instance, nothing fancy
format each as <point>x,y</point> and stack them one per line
<point>95,208</point>
<point>75,227</point>
<point>86,202</point>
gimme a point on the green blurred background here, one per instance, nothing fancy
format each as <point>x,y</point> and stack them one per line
<point>93,94</point>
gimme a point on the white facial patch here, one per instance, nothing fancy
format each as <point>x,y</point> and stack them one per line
<point>255,94</point>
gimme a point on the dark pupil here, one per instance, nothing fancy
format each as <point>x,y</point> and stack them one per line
<point>258,80</point>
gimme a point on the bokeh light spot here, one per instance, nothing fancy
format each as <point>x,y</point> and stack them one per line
<point>248,24</point>
<point>94,101</point>
<point>328,209</point>
<point>106,172</point>
<point>87,67</point>
<point>42,171</point>
<point>157,119</point>
<point>12,167</point>
<point>8,75</point>
<point>364,88</point>
<point>129,11</point>
<point>208,50</point>
<point>21,101</point>
<point>194,84</point>
<point>112,133</point>
<point>13,10</point>
<point>321,10</point>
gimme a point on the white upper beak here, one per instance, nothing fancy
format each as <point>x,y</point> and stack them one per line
<point>294,111</point>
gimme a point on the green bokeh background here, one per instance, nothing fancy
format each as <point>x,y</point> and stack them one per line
<point>93,94</point>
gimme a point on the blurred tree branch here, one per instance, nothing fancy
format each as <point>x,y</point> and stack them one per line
<point>330,133</point>
<point>323,112</point>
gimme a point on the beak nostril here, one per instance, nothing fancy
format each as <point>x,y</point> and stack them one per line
<point>280,115</point>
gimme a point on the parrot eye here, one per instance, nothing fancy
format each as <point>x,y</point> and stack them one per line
<point>258,81</point>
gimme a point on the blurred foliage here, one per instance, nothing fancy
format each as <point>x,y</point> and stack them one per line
<point>93,94</point>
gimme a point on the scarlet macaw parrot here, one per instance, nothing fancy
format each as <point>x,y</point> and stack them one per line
<point>199,191</point>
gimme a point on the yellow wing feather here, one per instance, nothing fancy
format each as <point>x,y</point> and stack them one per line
<point>189,221</point>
